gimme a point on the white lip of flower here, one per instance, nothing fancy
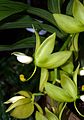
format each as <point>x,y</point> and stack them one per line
<point>82,97</point>
<point>81,72</point>
<point>14,99</point>
<point>21,57</point>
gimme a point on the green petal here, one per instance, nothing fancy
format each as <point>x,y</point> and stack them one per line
<point>68,23</point>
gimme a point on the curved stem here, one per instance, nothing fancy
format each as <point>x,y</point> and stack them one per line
<point>60,115</point>
<point>77,109</point>
<point>32,74</point>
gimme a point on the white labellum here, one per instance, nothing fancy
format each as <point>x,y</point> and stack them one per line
<point>21,57</point>
<point>82,97</point>
<point>14,99</point>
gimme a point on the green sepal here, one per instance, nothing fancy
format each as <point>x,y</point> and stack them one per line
<point>25,93</point>
<point>23,111</point>
<point>68,24</point>
<point>50,115</point>
<point>38,107</point>
<point>40,116</point>
<point>55,60</point>
<point>57,93</point>
<point>54,6</point>
<point>74,46</point>
<point>68,67</point>
<point>53,75</point>
<point>69,86</point>
<point>43,78</point>
<point>78,11</point>
<point>18,103</point>
<point>38,41</point>
<point>45,48</point>
<point>75,74</point>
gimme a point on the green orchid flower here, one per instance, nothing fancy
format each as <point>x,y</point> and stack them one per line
<point>44,57</point>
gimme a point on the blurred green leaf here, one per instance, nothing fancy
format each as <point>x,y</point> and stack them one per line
<point>23,22</point>
<point>27,22</point>
<point>42,13</point>
<point>54,6</point>
<point>69,7</point>
<point>24,43</point>
<point>52,29</point>
<point>8,8</point>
